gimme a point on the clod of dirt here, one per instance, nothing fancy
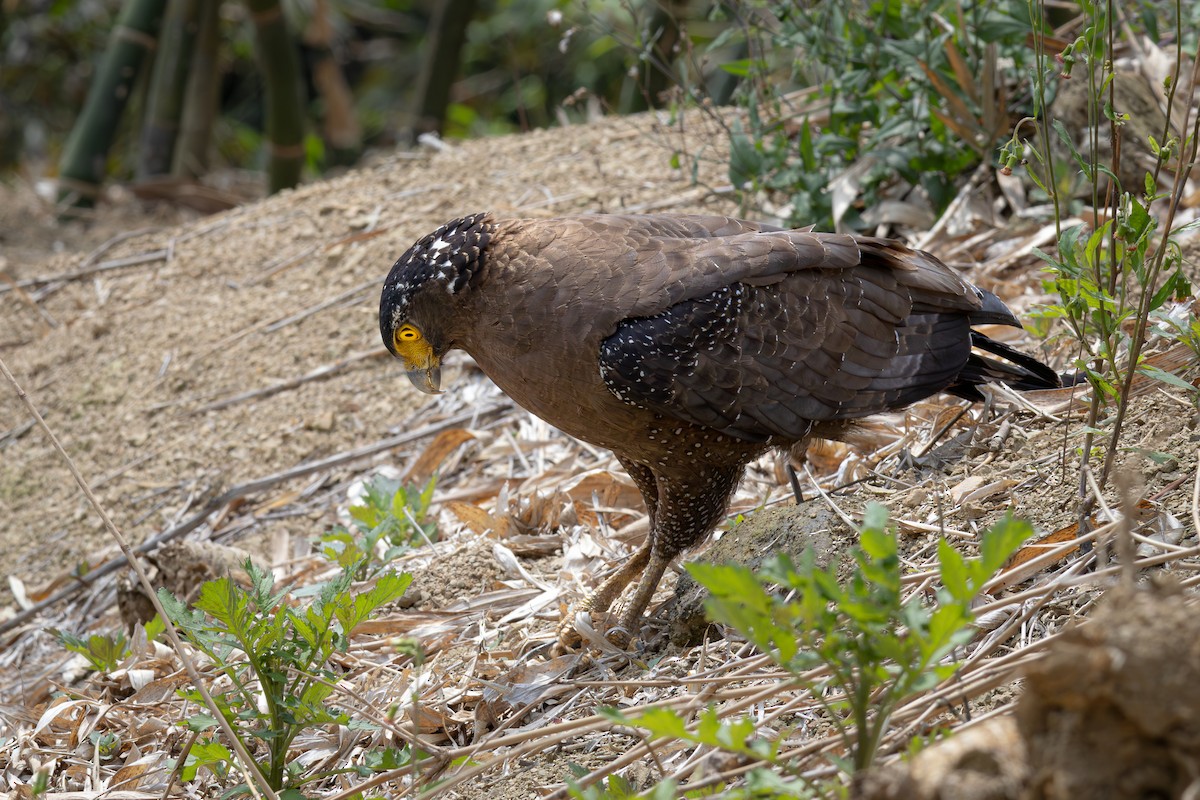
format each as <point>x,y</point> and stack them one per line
<point>766,534</point>
<point>460,575</point>
<point>987,762</point>
<point>181,568</point>
<point>1114,710</point>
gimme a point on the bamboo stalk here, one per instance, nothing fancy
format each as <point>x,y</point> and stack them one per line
<point>440,63</point>
<point>200,108</point>
<point>280,65</point>
<point>340,128</point>
<point>82,169</point>
<point>168,82</point>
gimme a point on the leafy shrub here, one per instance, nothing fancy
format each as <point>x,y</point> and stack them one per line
<point>909,92</point>
<point>265,648</point>
<point>1114,278</point>
<point>391,520</point>
<point>877,647</point>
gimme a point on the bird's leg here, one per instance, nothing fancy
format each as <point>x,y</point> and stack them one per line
<point>630,619</point>
<point>688,509</point>
<point>647,484</point>
<point>608,591</point>
<point>611,588</point>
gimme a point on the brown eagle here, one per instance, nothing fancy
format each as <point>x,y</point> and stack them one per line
<point>689,345</point>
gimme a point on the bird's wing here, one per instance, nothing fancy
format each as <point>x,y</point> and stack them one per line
<point>584,274</point>
<point>799,327</point>
<point>647,263</point>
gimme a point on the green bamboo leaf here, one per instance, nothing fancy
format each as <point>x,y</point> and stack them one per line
<point>1167,377</point>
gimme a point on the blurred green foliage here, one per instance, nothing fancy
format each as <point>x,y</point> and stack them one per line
<point>909,94</point>
<point>47,52</point>
<point>521,61</point>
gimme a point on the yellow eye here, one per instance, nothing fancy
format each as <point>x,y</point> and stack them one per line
<point>406,334</point>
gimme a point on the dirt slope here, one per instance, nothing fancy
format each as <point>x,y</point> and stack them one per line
<point>135,353</point>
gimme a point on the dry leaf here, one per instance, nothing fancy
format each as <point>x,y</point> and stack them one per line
<point>976,488</point>
<point>520,688</point>
<point>477,519</point>
<point>442,445</point>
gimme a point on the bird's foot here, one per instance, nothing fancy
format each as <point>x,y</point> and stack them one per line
<point>618,637</point>
<point>568,636</point>
<point>596,603</point>
<point>571,637</point>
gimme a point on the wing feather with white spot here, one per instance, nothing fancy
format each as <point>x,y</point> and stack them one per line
<point>757,362</point>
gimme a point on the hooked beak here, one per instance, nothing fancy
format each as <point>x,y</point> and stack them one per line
<point>427,379</point>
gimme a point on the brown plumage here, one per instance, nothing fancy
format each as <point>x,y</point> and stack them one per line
<point>689,345</point>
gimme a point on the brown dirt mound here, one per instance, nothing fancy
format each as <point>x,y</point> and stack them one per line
<point>128,365</point>
<point>1110,712</point>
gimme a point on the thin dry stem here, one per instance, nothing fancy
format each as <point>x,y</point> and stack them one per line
<point>257,782</point>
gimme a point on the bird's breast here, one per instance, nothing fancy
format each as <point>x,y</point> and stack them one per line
<point>562,386</point>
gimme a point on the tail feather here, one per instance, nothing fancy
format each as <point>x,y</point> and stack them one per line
<point>1018,370</point>
<point>992,311</point>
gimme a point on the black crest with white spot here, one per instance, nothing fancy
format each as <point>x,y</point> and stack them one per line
<point>448,257</point>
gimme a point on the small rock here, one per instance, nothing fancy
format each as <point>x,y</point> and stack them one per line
<point>323,422</point>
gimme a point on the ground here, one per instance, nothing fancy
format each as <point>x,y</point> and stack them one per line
<point>187,368</point>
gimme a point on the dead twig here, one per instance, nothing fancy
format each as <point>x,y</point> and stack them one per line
<point>287,263</point>
<point>333,301</point>
<point>24,296</point>
<point>240,491</point>
<point>271,327</point>
<point>55,282</point>
<point>8,437</point>
<point>320,373</point>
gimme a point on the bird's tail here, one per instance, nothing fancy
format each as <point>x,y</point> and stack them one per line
<point>1018,370</point>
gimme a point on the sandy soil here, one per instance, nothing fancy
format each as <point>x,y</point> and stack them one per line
<point>122,363</point>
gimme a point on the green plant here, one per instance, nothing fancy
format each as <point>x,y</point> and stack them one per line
<point>105,652</point>
<point>1180,323</point>
<point>1112,278</point>
<point>874,646</point>
<point>267,646</point>
<point>905,93</point>
<point>616,787</point>
<point>391,520</point>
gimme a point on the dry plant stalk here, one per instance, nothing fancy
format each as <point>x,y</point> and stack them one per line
<point>256,783</point>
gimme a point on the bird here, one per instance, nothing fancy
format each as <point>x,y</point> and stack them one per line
<point>690,345</point>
